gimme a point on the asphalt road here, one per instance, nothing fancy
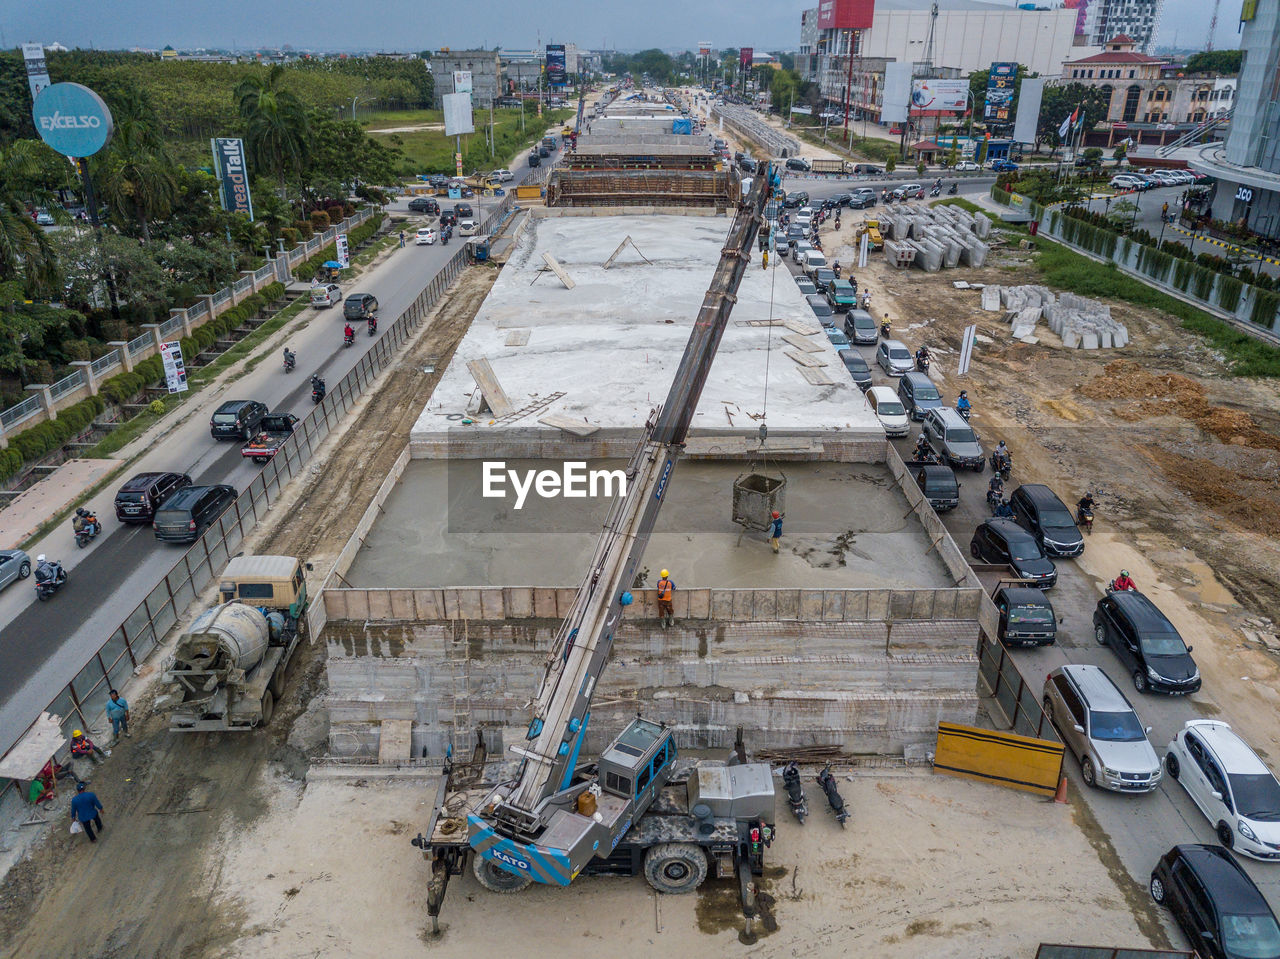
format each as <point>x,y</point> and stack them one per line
<point>44,644</point>
<point>1141,828</point>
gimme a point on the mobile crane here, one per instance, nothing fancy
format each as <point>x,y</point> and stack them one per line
<point>638,808</point>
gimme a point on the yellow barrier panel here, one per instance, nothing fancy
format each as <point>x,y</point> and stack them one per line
<point>528,192</point>
<point>1007,759</point>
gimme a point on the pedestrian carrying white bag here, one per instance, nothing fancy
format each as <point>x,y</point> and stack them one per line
<point>76,827</point>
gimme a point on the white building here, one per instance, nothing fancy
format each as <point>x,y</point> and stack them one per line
<point>1104,19</point>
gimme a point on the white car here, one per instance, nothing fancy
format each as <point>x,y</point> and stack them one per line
<point>425,236</point>
<point>503,176</point>
<point>1236,792</point>
<point>889,410</point>
<point>323,297</point>
<point>467,228</point>
<point>966,166</point>
<point>1126,181</point>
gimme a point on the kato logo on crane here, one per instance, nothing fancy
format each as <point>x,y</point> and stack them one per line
<point>510,860</point>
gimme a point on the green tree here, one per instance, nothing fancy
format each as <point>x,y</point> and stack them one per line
<point>1121,151</point>
<point>136,178</point>
<point>1060,102</point>
<point>275,123</point>
<point>25,251</point>
<point>1224,62</point>
<point>32,332</point>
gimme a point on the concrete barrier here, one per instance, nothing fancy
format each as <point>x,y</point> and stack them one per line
<point>1006,759</point>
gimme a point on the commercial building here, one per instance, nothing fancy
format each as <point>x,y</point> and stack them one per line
<point>485,67</point>
<point>1247,166</point>
<point>1097,20</point>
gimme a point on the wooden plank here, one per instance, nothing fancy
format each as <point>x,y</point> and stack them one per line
<point>517,338</point>
<point>395,741</point>
<point>801,344</point>
<point>799,326</point>
<point>804,359</point>
<point>494,395</point>
<point>569,424</point>
<point>760,323</point>
<point>816,377</point>
<point>558,270</point>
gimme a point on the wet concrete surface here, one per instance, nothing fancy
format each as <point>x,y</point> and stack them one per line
<point>845,525</point>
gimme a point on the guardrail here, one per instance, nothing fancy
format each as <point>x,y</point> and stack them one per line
<point>105,362</point>
<point>21,412</point>
<point>84,697</point>
<point>140,344</point>
<point>68,383</point>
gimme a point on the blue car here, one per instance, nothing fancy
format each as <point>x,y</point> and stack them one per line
<point>1003,166</point>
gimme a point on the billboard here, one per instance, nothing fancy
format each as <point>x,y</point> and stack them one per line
<point>1000,87</point>
<point>745,56</point>
<point>457,114</point>
<point>897,91</point>
<point>461,81</point>
<point>947,95</point>
<point>37,70</point>
<point>175,371</point>
<point>233,177</point>
<point>342,253</point>
<point>1024,128</point>
<point>704,48</point>
<point>845,14</point>
<point>556,75</point>
<point>72,119</point>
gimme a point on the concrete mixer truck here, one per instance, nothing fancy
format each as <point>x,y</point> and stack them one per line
<point>228,668</point>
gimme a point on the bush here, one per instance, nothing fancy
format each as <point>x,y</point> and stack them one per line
<point>76,349</point>
<point>890,164</point>
<point>290,236</point>
<point>304,229</point>
<point>319,221</point>
<point>155,407</point>
<point>349,208</point>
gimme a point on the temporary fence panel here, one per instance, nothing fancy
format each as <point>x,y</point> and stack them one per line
<point>1018,699</point>
<point>1006,759</point>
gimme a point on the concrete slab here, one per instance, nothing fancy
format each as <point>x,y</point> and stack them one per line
<point>64,487</point>
<point>613,342</point>
<point>846,525</point>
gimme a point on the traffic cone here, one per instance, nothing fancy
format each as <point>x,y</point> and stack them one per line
<point>1061,794</point>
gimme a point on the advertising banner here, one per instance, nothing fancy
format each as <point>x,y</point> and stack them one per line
<point>704,48</point>
<point>556,67</point>
<point>341,253</point>
<point>233,178</point>
<point>461,81</point>
<point>1000,86</point>
<point>745,56</point>
<point>947,95</point>
<point>1024,129</point>
<point>72,119</point>
<point>845,14</point>
<point>37,69</point>
<point>457,114</point>
<point>175,371</point>
<point>897,92</point>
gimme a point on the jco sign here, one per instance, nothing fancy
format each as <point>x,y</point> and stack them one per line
<point>72,119</point>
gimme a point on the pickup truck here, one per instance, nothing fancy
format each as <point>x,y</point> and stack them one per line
<point>276,428</point>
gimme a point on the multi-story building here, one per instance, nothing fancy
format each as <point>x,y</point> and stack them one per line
<point>1098,20</point>
<point>1247,166</point>
<point>485,67</point>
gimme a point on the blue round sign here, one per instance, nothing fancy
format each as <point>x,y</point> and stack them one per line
<point>72,119</point>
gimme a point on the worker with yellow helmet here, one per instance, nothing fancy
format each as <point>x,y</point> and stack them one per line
<point>82,747</point>
<point>666,591</point>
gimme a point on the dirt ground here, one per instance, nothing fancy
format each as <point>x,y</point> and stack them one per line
<point>1183,457</point>
<point>153,885</point>
<point>331,872</point>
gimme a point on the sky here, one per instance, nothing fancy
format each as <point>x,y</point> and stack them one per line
<point>413,25</point>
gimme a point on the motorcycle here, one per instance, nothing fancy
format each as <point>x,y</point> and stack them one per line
<point>290,361</point>
<point>89,531</point>
<point>795,792</point>
<point>373,325</point>
<point>49,579</point>
<point>994,499</point>
<point>885,330</point>
<point>935,191</point>
<point>1002,465</point>
<point>1084,518</point>
<point>1113,588</point>
<point>964,412</point>
<point>444,238</point>
<point>317,389</point>
<point>348,338</point>
<point>953,189</point>
<point>828,783</point>
<point>922,363</point>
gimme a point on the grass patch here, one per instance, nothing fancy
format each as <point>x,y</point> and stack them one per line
<point>377,119</point>
<point>869,149</point>
<point>246,346</point>
<point>430,151</point>
<point>1068,270</point>
<point>963,204</point>
<point>126,433</point>
<point>367,255</point>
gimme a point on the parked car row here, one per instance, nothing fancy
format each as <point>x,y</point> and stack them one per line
<point>1152,179</point>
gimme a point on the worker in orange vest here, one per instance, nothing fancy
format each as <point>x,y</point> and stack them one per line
<point>666,590</point>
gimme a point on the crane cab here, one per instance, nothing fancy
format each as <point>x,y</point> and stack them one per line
<point>637,764</point>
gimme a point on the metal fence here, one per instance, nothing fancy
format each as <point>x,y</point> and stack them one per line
<point>72,381</point>
<point>84,698</point>
<point>140,344</point>
<point>105,362</point>
<point>21,412</point>
<point>262,272</point>
<point>1018,699</point>
<point>197,309</point>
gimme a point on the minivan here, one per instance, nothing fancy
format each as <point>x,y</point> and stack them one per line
<point>798,163</point>
<point>1144,640</point>
<point>237,419</point>
<point>860,326</point>
<point>1026,617</point>
<point>918,393</point>
<point>938,483</point>
<point>1098,725</point>
<point>1215,903</point>
<point>425,204</point>
<point>138,499</point>
<point>953,439</point>
<point>463,211</point>
<point>191,511</point>
<point>360,306</point>
<point>1038,508</point>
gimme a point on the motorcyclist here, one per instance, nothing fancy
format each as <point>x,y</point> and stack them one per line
<point>866,299</point>
<point>996,485</point>
<point>290,358</point>
<point>938,182</point>
<point>1123,581</point>
<point>923,449</point>
<point>348,332</point>
<point>78,524</point>
<point>885,326</point>
<point>372,321</point>
<point>963,405</point>
<point>90,522</point>
<point>1004,510</point>
<point>46,570</point>
<point>1001,455</point>
<point>1085,505</point>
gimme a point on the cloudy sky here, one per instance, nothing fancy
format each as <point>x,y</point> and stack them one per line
<point>424,24</point>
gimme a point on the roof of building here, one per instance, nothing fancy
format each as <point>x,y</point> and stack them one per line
<point>961,6</point>
<point>1117,56</point>
<point>1122,38</point>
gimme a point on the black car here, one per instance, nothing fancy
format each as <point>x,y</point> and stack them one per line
<point>1002,541</point>
<point>1038,508</point>
<point>463,211</point>
<point>543,152</point>
<point>438,181</point>
<point>1145,642</point>
<point>191,511</point>
<point>138,499</point>
<point>823,277</point>
<point>797,198</point>
<point>938,483</point>
<point>1215,903</point>
<point>861,198</point>
<point>360,306</point>
<point>857,367</point>
<point>1026,617</point>
<point>424,204</point>
<point>534,159</point>
<point>236,419</point>
<point>449,218</point>
<point>821,308</point>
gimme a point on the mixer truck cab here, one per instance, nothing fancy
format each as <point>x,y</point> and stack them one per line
<point>276,582</point>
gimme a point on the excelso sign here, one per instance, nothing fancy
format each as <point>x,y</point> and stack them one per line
<point>233,177</point>
<point>72,119</point>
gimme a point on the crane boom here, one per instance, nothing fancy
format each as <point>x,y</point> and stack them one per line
<point>513,821</point>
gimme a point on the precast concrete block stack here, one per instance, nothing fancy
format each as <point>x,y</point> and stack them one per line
<point>943,237</point>
<point>1080,322</point>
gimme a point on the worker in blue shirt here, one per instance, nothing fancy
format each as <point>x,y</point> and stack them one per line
<point>87,811</point>
<point>775,530</point>
<point>118,713</point>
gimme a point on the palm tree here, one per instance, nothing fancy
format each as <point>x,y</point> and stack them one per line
<point>275,123</point>
<point>136,175</point>
<point>25,251</point>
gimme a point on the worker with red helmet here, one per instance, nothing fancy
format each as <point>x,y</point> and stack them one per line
<point>775,530</point>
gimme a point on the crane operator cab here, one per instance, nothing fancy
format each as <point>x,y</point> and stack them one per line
<point>638,763</point>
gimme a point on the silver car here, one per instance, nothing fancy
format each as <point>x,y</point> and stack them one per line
<point>1098,724</point>
<point>894,357</point>
<point>14,564</point>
